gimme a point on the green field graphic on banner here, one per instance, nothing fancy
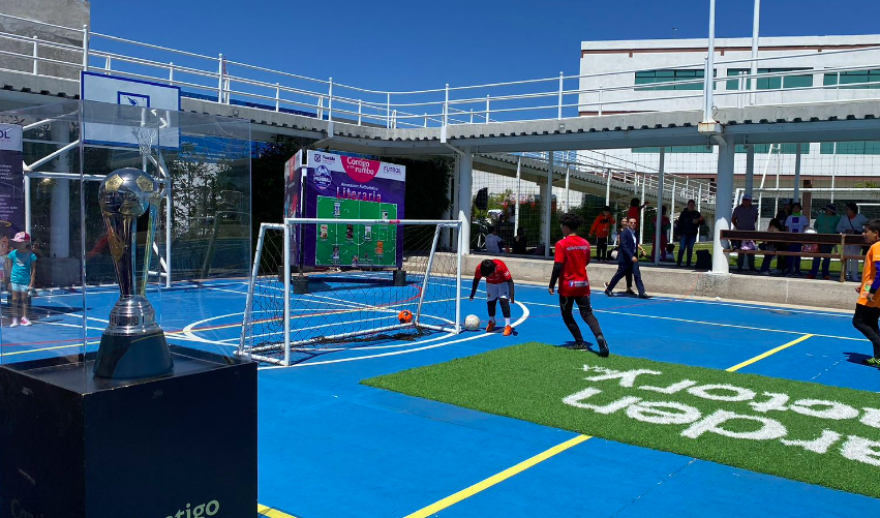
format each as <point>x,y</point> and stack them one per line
<point>355,245</point>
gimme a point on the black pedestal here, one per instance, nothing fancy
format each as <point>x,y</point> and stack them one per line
<point>75,446</point>
<point>399,277</point>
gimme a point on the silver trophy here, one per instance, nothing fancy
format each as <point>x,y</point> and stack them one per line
<point>133,345</point>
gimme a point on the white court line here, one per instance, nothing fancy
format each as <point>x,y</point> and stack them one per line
<point>408,351</point>
<point>701,322</point>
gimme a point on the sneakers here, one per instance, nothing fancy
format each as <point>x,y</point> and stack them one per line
<point>608,292</point>
<point>644,296</point>
<point>508,330</point>
<point>603,347</point>
<point>811,276</point>
<point>14,323</point>
<point>490,327</point>
<point>874,362</point>
<point>579,344</point>
<point>631,293</point>
<point>25,322</point>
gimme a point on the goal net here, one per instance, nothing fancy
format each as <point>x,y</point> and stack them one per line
<point>328,285</point>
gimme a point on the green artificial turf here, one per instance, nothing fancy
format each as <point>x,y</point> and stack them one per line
<point>531,381</point>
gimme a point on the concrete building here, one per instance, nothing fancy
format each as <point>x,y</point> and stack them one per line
<point>622,77</point>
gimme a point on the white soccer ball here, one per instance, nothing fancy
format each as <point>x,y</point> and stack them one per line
<point>472,323</point>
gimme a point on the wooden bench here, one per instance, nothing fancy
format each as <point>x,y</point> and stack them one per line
<point>840,240</point>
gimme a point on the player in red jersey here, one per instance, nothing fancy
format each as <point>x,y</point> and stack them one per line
<point>499,286</point>
<point>570,269</point>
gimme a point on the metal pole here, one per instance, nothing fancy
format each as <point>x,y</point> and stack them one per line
<point>755,30</point>
<point>672,205</point>
<point>171,73</point>
<point>85,47</point>
<point>699,197</point>
<point>567,192</point>
<point>431,254</point>
<point>559,112</point>
<point>710,66</point>
<point>27,203</point>
<point>458,278</point>
<point>330,102</point>
<point>277,97</point>
<point>797,174</point>
<point>659,223</point>
<point>642,215</point>
<point>833,169</point>
<point>723,205</point>
<point>360,111</point>
<point>36,54</point>
<point>608,188</point>
<point>287,294</point>
<point>388,110</point>
<point>487,108</point>
<point>168,217</point>
<point>518,193</point>
<point>548,202</point>
<point>750,169</point>
<point>220,79</point>
<point>445,107</point>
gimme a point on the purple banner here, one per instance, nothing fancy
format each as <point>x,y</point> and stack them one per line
<point>12,203</point>
<point>350,188</point>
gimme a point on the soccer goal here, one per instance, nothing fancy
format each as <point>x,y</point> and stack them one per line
<point>323,285</point>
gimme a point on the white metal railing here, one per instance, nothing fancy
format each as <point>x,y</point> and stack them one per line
<point>222,80</point>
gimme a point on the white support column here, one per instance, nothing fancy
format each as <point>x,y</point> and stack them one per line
<point>548,205</point>
<point>608,188</point>
<point>833,170</point>
<point>567,192</point>
<point>699,197</point>
<point>447,215</point>
<point>750,169</point>
<point>642,214</point>
<point>465,171</point>
<point>59,211</point>
<point>723,205</point>
<point>672,216</point>
<point>797,174</point>
<point>516,205</point>
<point>659,223</point>
<point>756,23</point>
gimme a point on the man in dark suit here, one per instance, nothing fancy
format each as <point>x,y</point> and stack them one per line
<point>628,261</point>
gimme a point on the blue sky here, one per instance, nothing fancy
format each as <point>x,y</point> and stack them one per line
<point>399,45</point>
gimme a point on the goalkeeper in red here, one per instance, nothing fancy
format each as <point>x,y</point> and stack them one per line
<point>499,287</point>
<point>570,270</point>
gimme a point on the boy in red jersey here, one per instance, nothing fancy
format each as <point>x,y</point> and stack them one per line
<point>499,287</point>
<point>570,269</point>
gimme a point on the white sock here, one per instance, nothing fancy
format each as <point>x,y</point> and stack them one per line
<point>507,321</point>
<point>492,319</point>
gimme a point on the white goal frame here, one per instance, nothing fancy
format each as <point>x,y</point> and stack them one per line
<point>286,228</point>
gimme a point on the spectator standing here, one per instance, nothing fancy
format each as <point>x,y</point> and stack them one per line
<point>745,217</point>
<point>826,223</point>
<point>852,223</point>
<point>601,230</point>
<point>635,211</point>
<point>688,224</point>
<point>665,225</point>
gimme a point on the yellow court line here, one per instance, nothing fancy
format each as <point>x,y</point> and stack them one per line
<point>771,352</point>
<point>268,512</point>
<point>495,479</point>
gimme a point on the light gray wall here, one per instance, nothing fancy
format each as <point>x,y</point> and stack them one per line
<point>65,13</point>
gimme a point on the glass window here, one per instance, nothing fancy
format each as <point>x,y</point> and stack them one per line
<point>854,79</point>
<point>670,76</point>
<point>869,147</point>
<point>674,149</point>
<point>769,83</point>
<point>787,149</point>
